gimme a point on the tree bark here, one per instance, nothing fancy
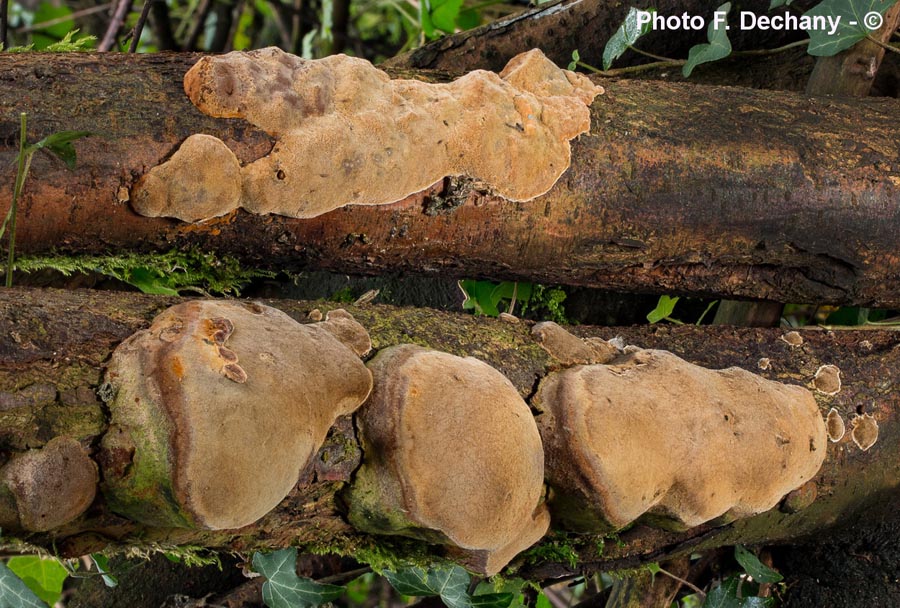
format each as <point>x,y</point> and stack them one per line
<point>53,345</point>
<point>677,189</point>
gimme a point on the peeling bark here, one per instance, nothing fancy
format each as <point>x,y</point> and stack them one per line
<point>53,345</point>
<point>677,189</point>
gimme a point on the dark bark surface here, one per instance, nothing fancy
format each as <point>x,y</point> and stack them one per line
<point>53,345</point>
<point>677,189</point>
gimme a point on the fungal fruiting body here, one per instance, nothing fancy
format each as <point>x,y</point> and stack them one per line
<point>46,488</point>
<point>348,134</point>
<point>217,407</point>
<point>652,436</point>
<point>451,455</point>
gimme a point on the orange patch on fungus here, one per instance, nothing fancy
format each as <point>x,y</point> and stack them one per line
<point>348,134</point>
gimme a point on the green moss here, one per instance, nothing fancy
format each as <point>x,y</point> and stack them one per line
<point>556,547</point>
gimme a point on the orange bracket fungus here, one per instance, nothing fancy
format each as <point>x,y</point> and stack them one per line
<point>47,488</point>
<point>451,455</point>
<point>348,134</point>
<point>652,436</point>
<point>217,407</point>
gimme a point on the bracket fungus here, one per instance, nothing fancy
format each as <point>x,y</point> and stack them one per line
<point>569,349</point>
<point>47,488</point>
<point>451,455</point>
<point>655,437</point>
<point>217,407</point>
<point>348,134</point>
<point>864,431</point>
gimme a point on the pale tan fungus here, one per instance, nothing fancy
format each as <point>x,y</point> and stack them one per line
<point>451,455</point>
<point>508,318</point>
<point>341,324</point>
<point>793,338</point>
<point>835,425</point>
<point>314,315</point>
<point>800,498</point>
<point>568,348</point>
<point>216,409</point>
<point>764,363</point>
<point>348,134</point>
<point>49,487</point>
<point>828,380</point>
<point>864,431</point>
<point>200,181</point>
<point>655,437</point>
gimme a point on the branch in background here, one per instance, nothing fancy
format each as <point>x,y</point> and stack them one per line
<point>202,15</point>
<point>4,16</point>
<point>118,19</point>
<point>162,26</point>
<point>139,26</point>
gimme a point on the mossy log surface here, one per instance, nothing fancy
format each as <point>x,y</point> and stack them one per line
<point>678,188</point>
<point>53,345</point>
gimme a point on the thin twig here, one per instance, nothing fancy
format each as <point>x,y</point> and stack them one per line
<point>139,26</point>
<point>689,584</point>
<point>883,45</point>
<point>115,24</point>
<point>344,576</point>
<point>202,15</point>
<point>17,191</point>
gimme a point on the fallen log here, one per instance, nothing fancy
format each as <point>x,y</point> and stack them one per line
<point>54,344</point>
<point>676,189</point>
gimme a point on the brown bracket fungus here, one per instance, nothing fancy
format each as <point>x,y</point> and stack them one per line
<point>217,407</point>
<point>834,424</point>
<point>47,488</point>
<point>348,134</point>
<point>569,349</point>
<point>451,455</point>
<point>654,436</point>
<point>828,380</point>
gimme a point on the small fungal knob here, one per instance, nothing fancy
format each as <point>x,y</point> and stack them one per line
<point>569,349</point>
<point>828,380</point>
<point>217,408</point>
<point>451,455</point>
<point>864,431</point>
<point>49,487</point>
<point>834,424</point>
<point>341,324</point>
<point>655,437</point>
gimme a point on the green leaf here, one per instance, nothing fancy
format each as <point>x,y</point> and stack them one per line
<point>719,45</point>
<point>724,596</point>
<point>478,296</point>
<point>576,57</point>
<point>757,602</point>
<point>823,44</point>
<point>283,588</point>
<point>776,3</point>
<point>444,14</point>
<point>468,19</point>
<point>664,308</point>
<point>43,575</point>
<point>543,601</point>
<point>60,144</point>
<point>14,593</point>
<point>425,18</point>
<point>625,36</point>
<point>451,584</point>
<point>102,564</point>
<point>755,568</point>
<point>150,281</point>
<point>51,11</point>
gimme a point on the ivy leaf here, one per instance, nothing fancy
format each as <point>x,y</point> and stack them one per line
<point>664,308</point>
<point>625,36</point>
<point>451,584</point>
<point>284,589</point>
<point>14,593</point>
<point>851,28</point>
<point>755,568</point>
<point>724,596</point>
<point>719,45</point>
<point>60,144</point>
<point>43,575</point>
<point>777,3</point>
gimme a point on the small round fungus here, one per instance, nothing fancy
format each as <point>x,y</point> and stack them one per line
<point>835,425</point>
<point>828,380</point>
<point>200,181</point>
<point>764,363</point>
<point>864,431</point>
<point>655,437</point>
<point>50,486</point>
<point>217,408</point>
<point>793,338</point>
<point>451,455</point>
